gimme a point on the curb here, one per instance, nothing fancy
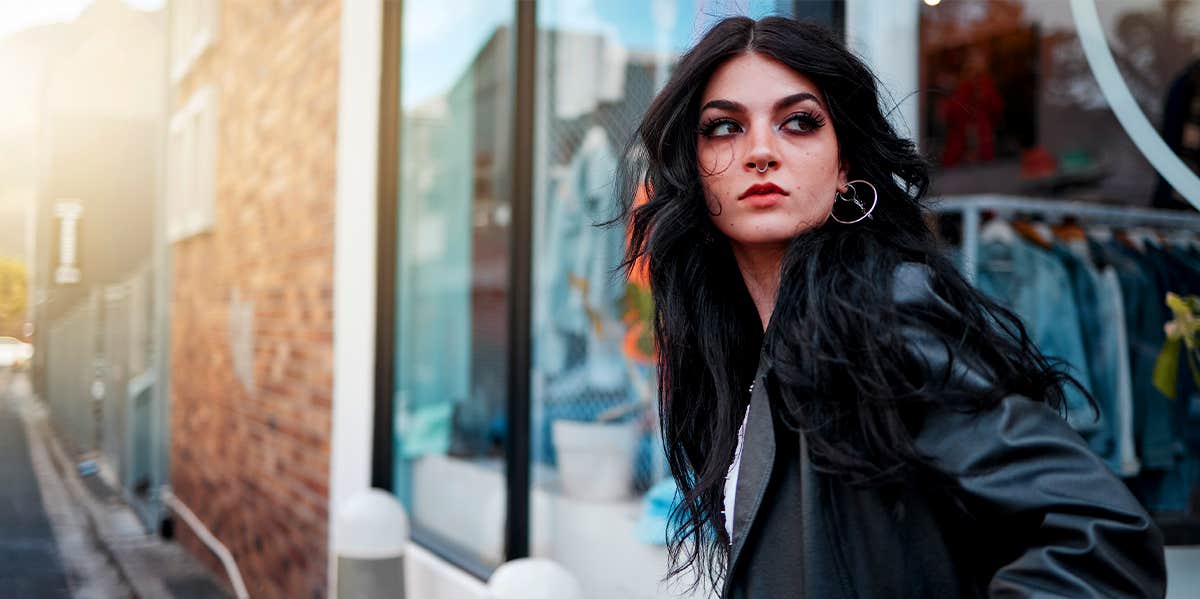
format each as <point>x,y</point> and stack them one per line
<point>92,510</point>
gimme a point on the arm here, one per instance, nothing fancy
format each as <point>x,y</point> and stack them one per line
<point>1082,533</point>
<point>1017,465</point>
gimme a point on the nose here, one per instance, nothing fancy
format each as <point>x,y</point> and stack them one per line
<point>762,156</point>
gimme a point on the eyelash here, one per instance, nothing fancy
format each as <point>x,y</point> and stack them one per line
<point>811,120</point>
<point>707,127</point>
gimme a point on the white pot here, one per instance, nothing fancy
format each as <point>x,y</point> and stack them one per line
<point>595,460</point>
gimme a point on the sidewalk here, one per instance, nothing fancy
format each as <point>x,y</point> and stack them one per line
<point>102,550</point>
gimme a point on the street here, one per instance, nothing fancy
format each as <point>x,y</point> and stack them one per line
<point>30,564</point>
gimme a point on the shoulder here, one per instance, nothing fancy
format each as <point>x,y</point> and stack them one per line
<point>912,284</point>
<point>923,336</point>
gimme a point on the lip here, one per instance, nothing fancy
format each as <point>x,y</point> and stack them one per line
<point>768,200</point>
<point>763,191</point>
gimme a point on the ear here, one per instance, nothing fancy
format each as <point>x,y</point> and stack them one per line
<point>843,176</point>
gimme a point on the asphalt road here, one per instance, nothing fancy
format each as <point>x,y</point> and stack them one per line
<point>29,558</point>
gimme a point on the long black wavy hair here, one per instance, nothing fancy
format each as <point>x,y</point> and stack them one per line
<point>835,340</point>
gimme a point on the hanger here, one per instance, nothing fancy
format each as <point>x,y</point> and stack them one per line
<point>1180,239</point>
<point>1044,232</point>
<point>1100,233</point>
<point>1191,241</point>
<point>1035,233</point>
<point>1146,237</point>
<point>1130,239</point>
<point>1070,231</point>
<point>998,230</point>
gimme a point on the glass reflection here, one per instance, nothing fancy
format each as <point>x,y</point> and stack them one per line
<point>452,283</point>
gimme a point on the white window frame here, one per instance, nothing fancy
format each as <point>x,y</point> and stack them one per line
<point>194,28</point>
<point>886,36</point>
<point>192,167</point>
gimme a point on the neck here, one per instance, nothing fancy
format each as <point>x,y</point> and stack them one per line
<point>760,270</point>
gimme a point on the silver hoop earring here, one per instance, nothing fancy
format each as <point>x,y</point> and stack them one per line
<point>763,169</point>
<point>853,198</point>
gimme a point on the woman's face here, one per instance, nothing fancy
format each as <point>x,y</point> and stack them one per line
<point>767,151</point>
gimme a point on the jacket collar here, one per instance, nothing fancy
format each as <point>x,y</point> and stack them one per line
<point>758,457</point>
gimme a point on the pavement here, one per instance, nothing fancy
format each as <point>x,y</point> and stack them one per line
<point>72,536</point>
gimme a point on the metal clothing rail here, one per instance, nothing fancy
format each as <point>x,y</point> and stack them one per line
<point>972,208</point>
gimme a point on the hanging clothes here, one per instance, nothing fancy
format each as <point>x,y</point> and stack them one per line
<point>1098,303</point>
<point>1126,463</point>
<point>1100,339</point>
<point>1168,488</point>
<point>1158,444</point>
<point>1035,285</point>
<point>578,359</point>
<point>1188,403</point>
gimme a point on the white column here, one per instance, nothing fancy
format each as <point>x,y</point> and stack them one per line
<point>359,73</point>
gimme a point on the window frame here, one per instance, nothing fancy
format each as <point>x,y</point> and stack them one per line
<point>195,25</point>
<point>192,167</point>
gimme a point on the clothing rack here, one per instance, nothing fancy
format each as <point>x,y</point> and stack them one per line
<point>972,208</point>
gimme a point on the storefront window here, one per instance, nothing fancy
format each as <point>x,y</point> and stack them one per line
<point>1012,105</point>
<point>1026,104</point>
<point>452,281</point>
<point>601,486</point>
<point>1009,107</point>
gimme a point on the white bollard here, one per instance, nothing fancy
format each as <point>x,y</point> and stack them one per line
<point>370,534</point>
<point>533,578</point>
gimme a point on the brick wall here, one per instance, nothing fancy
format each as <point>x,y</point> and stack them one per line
<point>252,300</point>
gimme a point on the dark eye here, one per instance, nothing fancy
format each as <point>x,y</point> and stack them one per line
<point>720,128</point>
<point>803,122</point>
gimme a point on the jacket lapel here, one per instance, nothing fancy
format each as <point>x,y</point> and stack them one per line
<point>758,457</point>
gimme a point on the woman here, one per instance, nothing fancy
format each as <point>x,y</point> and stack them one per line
<point>845,416</point>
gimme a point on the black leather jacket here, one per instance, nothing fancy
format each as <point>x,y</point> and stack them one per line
<point>1033,513</point>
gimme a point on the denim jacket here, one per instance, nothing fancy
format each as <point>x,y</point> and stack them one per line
<point>1101,326</point>
<point>1035,284</point>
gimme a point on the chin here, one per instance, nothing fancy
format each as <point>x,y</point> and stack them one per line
<point>766,238</point>
<point>774,234</point>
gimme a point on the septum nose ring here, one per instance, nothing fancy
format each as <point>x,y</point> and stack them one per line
<point>761,169</point>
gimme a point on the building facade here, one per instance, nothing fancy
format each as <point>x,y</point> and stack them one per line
<point>86,110</point>
<point>249,222</point>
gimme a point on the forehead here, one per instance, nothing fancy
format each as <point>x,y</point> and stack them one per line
<point>754,79</point>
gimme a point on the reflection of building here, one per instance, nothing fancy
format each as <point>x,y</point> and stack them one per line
<point>1055,134</point>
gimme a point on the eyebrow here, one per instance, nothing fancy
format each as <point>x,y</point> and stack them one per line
<point>784,102</point>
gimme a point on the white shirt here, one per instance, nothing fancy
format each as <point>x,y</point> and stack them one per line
<point>732,476</point>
